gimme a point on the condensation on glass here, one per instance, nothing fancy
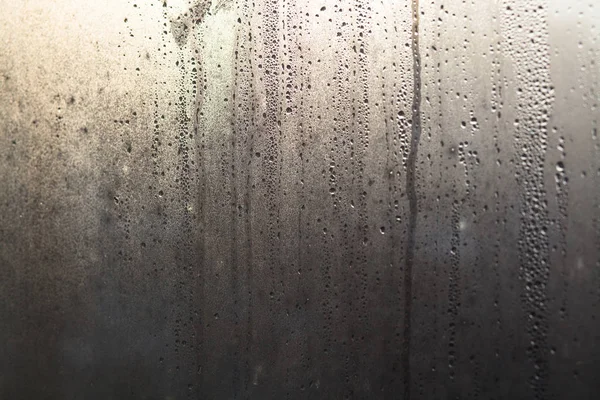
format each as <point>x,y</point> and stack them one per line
<point>230,199</point>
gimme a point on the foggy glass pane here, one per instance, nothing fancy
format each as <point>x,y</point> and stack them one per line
<point>299,199</point>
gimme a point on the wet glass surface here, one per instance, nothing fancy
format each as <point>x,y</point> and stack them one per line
<point>294,199</point>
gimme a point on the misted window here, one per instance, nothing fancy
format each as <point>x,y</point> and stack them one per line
<point>299,199</point>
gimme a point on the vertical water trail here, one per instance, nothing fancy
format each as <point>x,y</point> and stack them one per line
<point>412,196</point>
